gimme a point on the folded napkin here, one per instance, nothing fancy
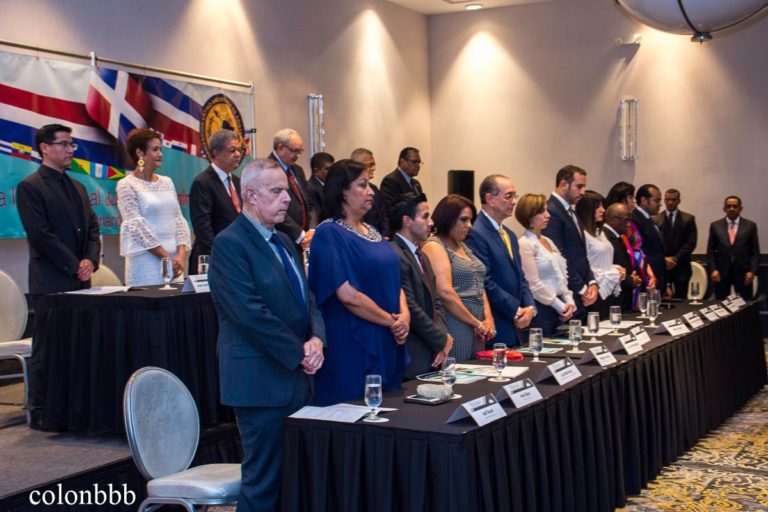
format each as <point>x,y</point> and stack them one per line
<point>512,355</point>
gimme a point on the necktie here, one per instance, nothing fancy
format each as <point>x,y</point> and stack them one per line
<point>427,281</point>
<point>233,193</point>
<point>732,232</point>
<point>289,269</point>
<point>507,242</point>
<point>297,192</point>
<point>575,221</point>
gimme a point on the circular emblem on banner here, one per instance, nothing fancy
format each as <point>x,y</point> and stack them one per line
<point>219,112</point>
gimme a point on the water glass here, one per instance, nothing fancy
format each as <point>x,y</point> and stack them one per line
<point>655,294</point>
<point>448,375</point>
<point>536,343</point>
<point>593,326</point>
<point>614,315</point>
<point>166,270</point>
<point>203,261</point>
<point>653,312</point>
<point>373,398</point>
<point>642,304</point>
<point>574,336</point>
<point>695,290</point>
<point>499,361</point>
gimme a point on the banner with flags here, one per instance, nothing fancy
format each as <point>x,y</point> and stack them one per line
<point>102,105</point>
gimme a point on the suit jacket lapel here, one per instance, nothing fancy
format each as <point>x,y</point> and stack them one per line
<point>221,190</point>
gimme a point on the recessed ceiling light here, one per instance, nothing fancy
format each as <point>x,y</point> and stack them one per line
<point>473,7</point>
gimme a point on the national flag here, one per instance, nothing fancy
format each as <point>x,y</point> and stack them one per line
<point>176,115</point>
<point>19,150</point>
<point>96,170</point>
<point>117,102</point>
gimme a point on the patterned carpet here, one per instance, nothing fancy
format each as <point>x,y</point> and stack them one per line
<point>727,470</point>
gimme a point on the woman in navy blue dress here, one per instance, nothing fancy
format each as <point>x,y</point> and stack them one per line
<point>355,276</point>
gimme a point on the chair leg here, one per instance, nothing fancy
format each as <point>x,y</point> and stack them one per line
<point>25,372</point>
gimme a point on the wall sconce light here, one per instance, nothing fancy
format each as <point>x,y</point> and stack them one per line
<point>628,129</point>
<point>316,115</point>
<point>629,39</point>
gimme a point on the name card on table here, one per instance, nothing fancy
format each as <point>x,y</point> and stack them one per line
<point>709,314</point>
<point>196,283</point>
<point>720,311</point>
<point>737,299</point>
<point>523,392</point>
<point>693,319</point>
<point>675,327</point>
<point>630,343</point>
<point>601,354</point>
<point>641,334</point>
<point>731,305</point>
<point>483,410</point>
<point>564,371</point>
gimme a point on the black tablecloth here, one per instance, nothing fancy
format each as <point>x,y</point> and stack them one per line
<point>586,447</point>
<point>87,346</point>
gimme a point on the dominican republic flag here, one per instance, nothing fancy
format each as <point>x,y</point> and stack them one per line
<point>176,115</point>
<point>117,102</point>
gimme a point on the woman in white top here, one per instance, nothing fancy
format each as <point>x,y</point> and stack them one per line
<point>590,211</point>
<point>543,265</point>
<point>152,225</point>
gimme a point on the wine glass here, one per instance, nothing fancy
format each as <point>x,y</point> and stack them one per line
<point>695,290</point>
<point>536,343</point>
<point>448,375</point>
<point>373,397</point>
<point>653,312</point>
<point>642,304</point>
<point>499,361</point>
<point>166,269</point>
<point>593,326</point>
<point>614,315</point>
<point>574,335</point>
<point>203,261</point>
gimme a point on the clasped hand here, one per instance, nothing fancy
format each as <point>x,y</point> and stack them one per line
<point>313,356</point>
<point>399,327</point>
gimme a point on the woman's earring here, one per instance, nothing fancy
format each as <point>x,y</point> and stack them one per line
<point>140,165</point>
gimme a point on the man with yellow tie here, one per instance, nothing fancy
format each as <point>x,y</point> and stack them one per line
<point>496,246</point>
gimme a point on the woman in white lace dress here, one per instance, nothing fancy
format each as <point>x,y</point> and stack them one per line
<point>591,210</point>
<point>543,265</point>
<point>152,225</point>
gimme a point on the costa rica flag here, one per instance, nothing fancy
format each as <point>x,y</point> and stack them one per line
<point>117,102</point>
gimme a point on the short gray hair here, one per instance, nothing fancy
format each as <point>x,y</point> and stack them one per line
<point>284,137</point>
<point>220,139</point>
<point>357,153</point>
<point>251,175</point>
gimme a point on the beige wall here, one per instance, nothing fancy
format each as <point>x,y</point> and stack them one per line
<point>367,57</point>
<point>525,90</point>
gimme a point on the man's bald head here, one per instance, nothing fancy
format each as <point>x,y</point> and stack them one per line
<point>617,216</point>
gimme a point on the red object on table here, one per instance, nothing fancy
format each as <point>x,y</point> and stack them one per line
<point>512,355</point>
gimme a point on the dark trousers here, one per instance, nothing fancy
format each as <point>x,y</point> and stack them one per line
<point>261,432</point>
<point>679,277</point>
<point>736,279</point>
<point>547,318</point>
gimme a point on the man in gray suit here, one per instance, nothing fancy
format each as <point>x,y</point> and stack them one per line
<point>270,344</point>
<point>428,341</point>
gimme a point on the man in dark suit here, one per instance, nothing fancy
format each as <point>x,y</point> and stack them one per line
<point>428,340</point>
<point>733,251</point>
<point>678,230</point>
<point>496,246</point>
<point>320,163</point>
<point>62,234</point>
<point>377,215</point>
<point>617,222</point>
<point>403,178</point>
<point>269,344</point>
<point>287,147</point>
<point>648,202</point>
<point>214,199</point>
<point>567,233</point>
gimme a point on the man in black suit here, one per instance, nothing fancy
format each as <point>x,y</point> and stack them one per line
<point>617,222</point>
<point>377,215</point>
<point>678,230</point>
<point>62,234</point>
<point>733,251</point>
<point>567,233</point>
<point>271,332</point>
<point>403,178</point>
<point>287,147</point>
<point>214,199</point>
<point>648,203</point>
<point>428,340</point>
<point>320,163</point>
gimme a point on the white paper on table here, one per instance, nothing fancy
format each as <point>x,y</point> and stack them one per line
<point>625,324</point>
<point>100,290</point>
<point>513,372</point>
<point>600,332</point>
<point>343,413</point>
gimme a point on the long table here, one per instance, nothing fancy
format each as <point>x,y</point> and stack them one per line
<point>87,346</point>
<point>586,447</point>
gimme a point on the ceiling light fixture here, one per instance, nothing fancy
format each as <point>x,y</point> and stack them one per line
<point>473,7</point>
